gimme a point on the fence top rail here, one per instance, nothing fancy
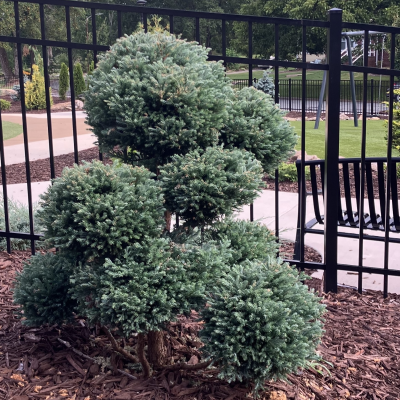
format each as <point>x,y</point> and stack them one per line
<point>369,27</point>
<point>352,160</point>
<point>181,13</point>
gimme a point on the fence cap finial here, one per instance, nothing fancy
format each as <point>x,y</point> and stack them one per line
<point>335,10</point>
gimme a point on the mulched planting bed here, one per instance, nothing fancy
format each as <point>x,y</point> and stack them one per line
<point>16,106</point>
<point>40,169</point>
<point>361,341</point>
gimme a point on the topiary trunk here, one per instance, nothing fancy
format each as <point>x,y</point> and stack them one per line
<point>156,349</point>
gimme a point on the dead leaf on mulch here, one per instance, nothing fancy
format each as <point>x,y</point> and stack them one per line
<point>361,341</point>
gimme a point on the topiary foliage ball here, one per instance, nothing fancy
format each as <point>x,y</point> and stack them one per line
<point>202,186</point>
<point>247,240</point>
<point>148,286</point>
<point>95,210</point>
<point>261,322</point>
<point>255,124</point>
<point>156,95</point>
<point>42,289</point>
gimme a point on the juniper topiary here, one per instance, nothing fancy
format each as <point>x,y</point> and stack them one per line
<point>202,186</point>
<point>255,124</point>
<point>266,84</point>
<point>42,290</point>
<point>247,240</point>
<point>156,95</point>
<point>63,81</point>
<point>35,91</point>
<point>95,210</point>
<point>261,322</point>
<point>79,81</point>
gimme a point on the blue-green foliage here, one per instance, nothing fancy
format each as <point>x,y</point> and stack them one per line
<point>266,84</point>
<point>148,285</point>
<point>255,124</point>
<point>95,210</point>
<point>261,322</point>
<point>42,289</point>
<point>202,186</point>
<point>247,240</point>
<point>156,95</point>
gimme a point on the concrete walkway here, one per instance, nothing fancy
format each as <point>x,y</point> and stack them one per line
<point>38,136</point>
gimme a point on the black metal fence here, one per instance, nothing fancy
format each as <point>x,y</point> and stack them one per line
<point>290,92</point>
<point>333,26</point>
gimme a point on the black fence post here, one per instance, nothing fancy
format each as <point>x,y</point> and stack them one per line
<point>290,94</point>
<point>332,149</point>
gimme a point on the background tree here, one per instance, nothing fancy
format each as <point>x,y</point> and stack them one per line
<point>63,82</point>
<point>79,81</point>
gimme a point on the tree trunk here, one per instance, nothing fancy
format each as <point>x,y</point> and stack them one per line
<point>142,356</point>
<point>168,217</point>
<point>16,65</point>
<point>156,350</point>
<point>5,66</point>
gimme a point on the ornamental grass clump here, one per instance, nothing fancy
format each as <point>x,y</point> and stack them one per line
<point>261,322</point>
<point>96,211</point>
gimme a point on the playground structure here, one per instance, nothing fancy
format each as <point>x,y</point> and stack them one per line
<point>352,59</point>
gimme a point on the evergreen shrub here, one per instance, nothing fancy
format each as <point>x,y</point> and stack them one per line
<point>42,289</point>
<point>95,210</point>
<point>395,123</point>
<point>35,92</point>
<point>17,90</point>
<point>261,322</point>
<point>157,96</point>
<point>4,105</point>
<point>148,286</point>
<point>63,81</point>
<point>202,186</point>
<point>79,81</point>
<point>247,240</point>
<point>255,124</point>
<point>266,84</point>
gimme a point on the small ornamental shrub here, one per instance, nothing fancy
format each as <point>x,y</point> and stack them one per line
<point>247,240</point>
<point>288,172</point>
<point>35,92</point>
<point>256,125</point>
<point>63,81</point>
<point>4,105</point>
<point>202,186</point>
<point>261,322</point>
<point>79,81</point>
<point>395,123</point>
<point>95,210</point>
<point>157,96</point>
<point>18,215</point>
<point>17,90</point>
<point>266,84</point>
<point>42,289</point>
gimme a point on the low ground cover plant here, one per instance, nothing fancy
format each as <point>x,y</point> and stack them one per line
<point>4,105</point>
<point>171,117</point>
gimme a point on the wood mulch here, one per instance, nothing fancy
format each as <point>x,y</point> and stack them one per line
<point>361,347</point>
<point>16,106</point>
<point>40,169</point>
<point>292,187</point>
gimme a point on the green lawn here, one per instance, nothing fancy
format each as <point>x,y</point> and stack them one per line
<point>350,139</point>
<point>291,73</point>
<point>11,130</point>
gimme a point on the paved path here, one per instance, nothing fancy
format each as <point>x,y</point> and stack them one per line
<point>38,136</point>
<point>37,126</point>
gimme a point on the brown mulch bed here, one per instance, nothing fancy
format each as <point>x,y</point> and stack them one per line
<point>40,169</point>
<point>361,343</point>
<point>16,106</point>
<point>292,187</point>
